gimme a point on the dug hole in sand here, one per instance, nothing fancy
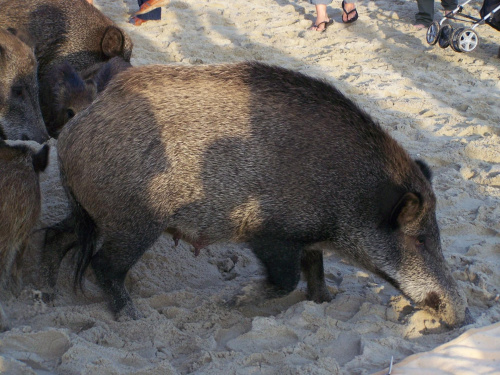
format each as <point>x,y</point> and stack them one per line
<point>204,314</point>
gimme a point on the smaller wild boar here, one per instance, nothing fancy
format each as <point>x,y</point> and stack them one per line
<point>246,153</point>
<point>63,95</point>
<point>20,202</point>
<point>20,115</point>
<point>66,92</point>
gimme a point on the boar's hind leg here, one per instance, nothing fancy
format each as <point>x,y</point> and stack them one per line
<point>312,266</point>
<point>281,258</point>
<point>59,239</point>
<point>111,264</point>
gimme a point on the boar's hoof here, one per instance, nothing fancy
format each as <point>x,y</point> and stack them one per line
<point>48,297</point>
<point>468,317</point>
<point>4,324</point>
<point>128,313</point>
<point>320,295</point>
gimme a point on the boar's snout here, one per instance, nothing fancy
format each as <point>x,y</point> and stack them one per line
<point>451,307</point>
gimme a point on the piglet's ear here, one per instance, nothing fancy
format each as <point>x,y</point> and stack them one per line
<point>406,210</point>
<point>23,36</point>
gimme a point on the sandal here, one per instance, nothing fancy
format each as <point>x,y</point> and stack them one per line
<point>136,21</point>
<point>327,23</point>
<point>347,14</point>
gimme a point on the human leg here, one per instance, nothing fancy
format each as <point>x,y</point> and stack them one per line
<point>449,5</point>
<point>322,19</point>
<point>425,14</point>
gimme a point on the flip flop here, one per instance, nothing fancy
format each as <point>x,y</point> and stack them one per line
<point>136,21</point>
<point>327,23</point>
<point>347,14</point>
<point>149,5</point>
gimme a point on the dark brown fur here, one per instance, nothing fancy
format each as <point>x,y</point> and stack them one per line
<point>253,153</point>
<point>19,203</point>
<point>102,73</point>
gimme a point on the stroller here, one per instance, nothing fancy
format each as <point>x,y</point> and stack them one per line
<point>463,39</point>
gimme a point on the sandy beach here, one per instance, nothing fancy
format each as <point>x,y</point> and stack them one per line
<point>204,314</point>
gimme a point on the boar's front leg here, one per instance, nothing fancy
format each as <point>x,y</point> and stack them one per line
<point>312,266</point>
<point>281,258</point>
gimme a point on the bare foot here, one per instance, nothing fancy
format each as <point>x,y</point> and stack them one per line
<point>419,26</point>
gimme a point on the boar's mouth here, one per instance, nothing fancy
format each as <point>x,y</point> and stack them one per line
<point>391,281</point>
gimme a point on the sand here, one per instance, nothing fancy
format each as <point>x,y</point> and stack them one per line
<point>204,314</point>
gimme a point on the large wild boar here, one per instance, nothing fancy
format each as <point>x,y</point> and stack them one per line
<point>20,202</point>
<point>250,153</point>
<point>20,116</point>
<point>65,31</point>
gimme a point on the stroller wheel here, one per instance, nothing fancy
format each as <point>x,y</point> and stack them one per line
<point>467,40</point>
<point>444,36</point>
<point>432,35</point>
<point>454,39</point>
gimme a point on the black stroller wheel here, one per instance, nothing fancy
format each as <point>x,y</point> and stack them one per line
<point>433,31</point>
<point>454,39</point>
<point>444,36</point>
<point>467,40</point>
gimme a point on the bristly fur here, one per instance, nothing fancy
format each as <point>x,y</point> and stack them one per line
<point>249,153</point>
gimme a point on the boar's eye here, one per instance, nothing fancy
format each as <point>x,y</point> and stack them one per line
<point>420,241</point>
<point>17,92</point>
<point>70,113</point>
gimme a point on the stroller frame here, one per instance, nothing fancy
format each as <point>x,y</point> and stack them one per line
<point>461,39</point>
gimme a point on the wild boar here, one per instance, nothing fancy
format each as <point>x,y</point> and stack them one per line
<point>246,153</point>
<point>20,115</point>
<point>20,203</point>
<point>65,94</point>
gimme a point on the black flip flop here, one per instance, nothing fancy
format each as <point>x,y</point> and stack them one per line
<point>327,23</point>
<point>347,14</point>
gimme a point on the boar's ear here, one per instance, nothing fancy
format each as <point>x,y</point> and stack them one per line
<point>91,87</point>
<point>426,170</point>
<point>41,159</point>
<point>406,210</point>
<point>112,41</point>
<point>103,77</point>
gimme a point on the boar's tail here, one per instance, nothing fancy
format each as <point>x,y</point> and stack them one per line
<point>86,233</point>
